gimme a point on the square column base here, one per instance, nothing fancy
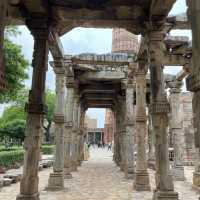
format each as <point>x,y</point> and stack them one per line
<point>74,168</point>
<point>129,173</point>
<point>56,182</point>
<point>178,172</point>
<point>196,179</point>
<point>165,195</point>
<point>67,173</point>
<point>28,197</point>
<point>141,182</point>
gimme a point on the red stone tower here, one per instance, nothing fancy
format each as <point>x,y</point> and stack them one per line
<point>124,41</point>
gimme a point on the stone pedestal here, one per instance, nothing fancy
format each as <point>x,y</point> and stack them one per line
<point>165,195</point>
<point>196,179</point>
<point>56,181</point>
<point>178,173</point>
<point>28,197</point>
<point>141,182</point>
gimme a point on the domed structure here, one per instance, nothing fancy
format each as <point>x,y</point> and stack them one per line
<point>124,41</point>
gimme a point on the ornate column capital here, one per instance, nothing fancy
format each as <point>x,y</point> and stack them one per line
<point>39,26</point>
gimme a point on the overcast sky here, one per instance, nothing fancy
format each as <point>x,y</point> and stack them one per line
<point>85,40</point>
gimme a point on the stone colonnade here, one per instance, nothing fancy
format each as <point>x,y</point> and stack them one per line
<point>68,157</point>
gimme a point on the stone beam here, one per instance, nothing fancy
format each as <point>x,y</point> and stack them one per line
<point>181,75</point>
<point>176,41</point>
<point>102,76</point>
<point>55,46</point>
<point>96,96</point>
<point>84,67</point>
<point>175,60</point>
<point>179,22</point>
<point>99,88</point>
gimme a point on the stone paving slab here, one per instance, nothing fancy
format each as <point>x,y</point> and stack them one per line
<point>100,179</point>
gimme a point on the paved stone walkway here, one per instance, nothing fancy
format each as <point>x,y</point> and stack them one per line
<point>98,179</point>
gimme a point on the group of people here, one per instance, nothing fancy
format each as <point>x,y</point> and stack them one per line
<point>101,144</point>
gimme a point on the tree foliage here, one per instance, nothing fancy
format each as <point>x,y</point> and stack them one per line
<point>13,120</point>
<point>15,67</point>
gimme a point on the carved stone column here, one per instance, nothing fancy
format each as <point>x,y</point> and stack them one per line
<point>129,134</point>
<point>75,133</point>
<point>193,80</point>
<point>56,179</point>
<point>141,176</point>
<point>151,142</point>
<point>68,126</point>
<point>176,129</point>
<point>159,109</point>
<point>81,136</point>
<point>121,128</point>
<point>35,110</point>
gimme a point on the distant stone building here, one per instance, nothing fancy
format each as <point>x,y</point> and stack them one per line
<point>109,126</point>
<point>124,41</point>
<point>94,135</point>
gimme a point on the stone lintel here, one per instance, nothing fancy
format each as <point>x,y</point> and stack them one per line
<point>159,107</point>
<point>193,82</point>
<point>34,108</point>
<point>59,118</point>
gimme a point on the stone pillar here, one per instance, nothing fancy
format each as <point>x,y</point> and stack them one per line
<point>56,179</point>
<point>129,134</point>
<point>35,110</point>
<point>159,109</point>
<point>151,142</point>
<point>81,139</point>
<point>69,127</point>
<point>193,80</point>
<point>141,176</point>
<point>75,134</point>
<point>176,129</point>
<point>121,129</point>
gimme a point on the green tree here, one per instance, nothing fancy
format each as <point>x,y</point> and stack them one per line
<point>14,129</point>
<point>15,67</point>
<point>16,113</point>
<point>12,123</point>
